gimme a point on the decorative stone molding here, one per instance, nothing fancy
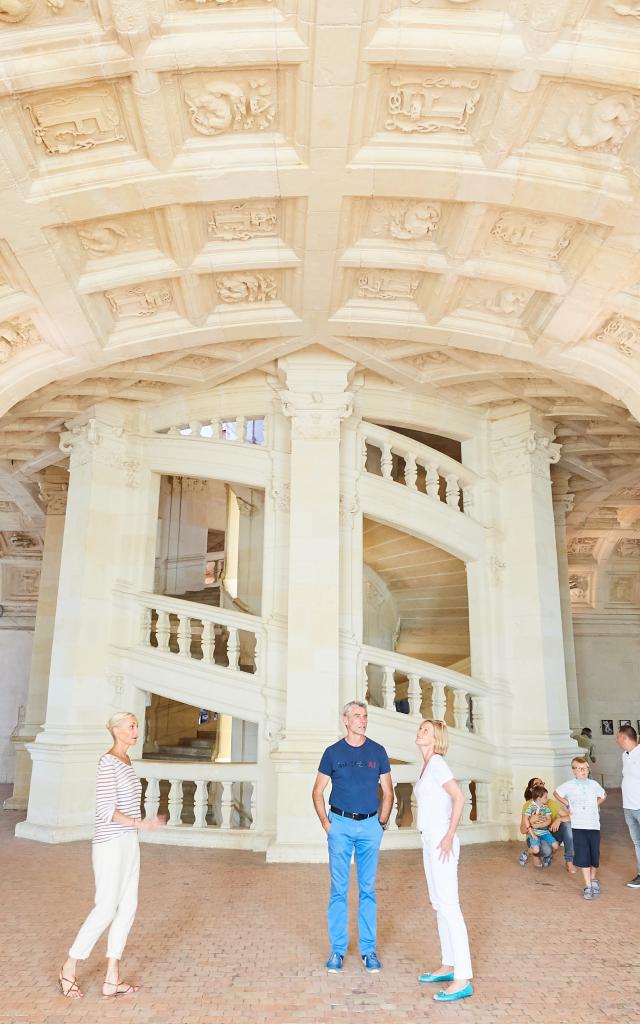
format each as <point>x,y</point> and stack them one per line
<point>16,334</point>
<point>406,220</point>
<point>582,545</point>
<point>245,508</point>
<point>621,332</point>
<point>241,221</point>
<point>388,285</point>
<point>221,104</point>
<point>140,300</point>
<point>431,103</point>
<point>562,505</point>
<point>526,453</point>
<point>76,120</point>
<point>316,415</point>
<point>54,496</point>
<point>246,287</point>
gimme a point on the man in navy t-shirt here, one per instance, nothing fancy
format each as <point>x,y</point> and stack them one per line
<point>354,825</point>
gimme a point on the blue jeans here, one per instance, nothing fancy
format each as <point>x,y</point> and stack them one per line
<point>544,837</point>
<point>564,835</point>
<point>632,819</point>
<point>361,838</point>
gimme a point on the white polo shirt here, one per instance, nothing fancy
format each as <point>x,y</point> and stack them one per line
<point>631,779</point>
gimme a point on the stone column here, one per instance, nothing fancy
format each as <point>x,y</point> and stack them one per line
<point>313,390</point>
<point>100,548</point>
<point>531,617</point>
<point>562,505</point>
<point>53,490</point>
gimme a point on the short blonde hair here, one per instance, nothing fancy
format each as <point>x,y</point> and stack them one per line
<point>440,735</point>
<point>579,760</point>
<point>119,718</point>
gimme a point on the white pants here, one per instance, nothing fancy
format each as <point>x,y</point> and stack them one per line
<point>442,882</point>
<point>116,866</point>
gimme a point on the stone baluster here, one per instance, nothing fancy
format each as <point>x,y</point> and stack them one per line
<point>453,491</point>
<point>145,626</point>
<point>152,798</point>
<point>257,653</point>
<point>241,428</point>
<point>478,715</point>
<point>200,803</point>
<point>363,682</point>
<point>482,802</point>
<point>163,630</point>
<point>233,647</point>
<point>466,810</point>
<point>433,481</point>
<point>364,453</point>
<point>208,641</point>
<point>386,461</point>
<point>438,700</point>
<point>215,430</point>
<point>254,805</point>
<point>410,472</point>
<point>184,635</point>
<point>469,500</point>
<point>196,427</point>
<point>415,694</point>
<point>460,709</point>
<point>175,803</point>
<point>226,805</point>
<point>388,688</point>
<point>414,809</point>
<point>393,817</point>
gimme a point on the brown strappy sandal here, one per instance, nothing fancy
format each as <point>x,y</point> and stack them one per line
<point>73,987</point>
<point>122,988</point>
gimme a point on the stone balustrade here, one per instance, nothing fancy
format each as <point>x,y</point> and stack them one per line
<point>202,800</point>
<point>419,689</point>
<point>404,815</point>
<point>417,467</point>
<point>239,429</point>
<point>213,636</point>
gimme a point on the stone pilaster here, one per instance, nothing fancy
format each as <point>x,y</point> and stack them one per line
<point>98,551</point>
<point>53,491</point>
<point>522,452</point>
<point>562,505</point>
<point>314,390</point>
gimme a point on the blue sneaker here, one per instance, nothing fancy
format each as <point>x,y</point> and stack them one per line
<point>371,962</point>
<point>335,962</point>
<point>451,997</point>
<point>523,858</point>
<point>595,887</point>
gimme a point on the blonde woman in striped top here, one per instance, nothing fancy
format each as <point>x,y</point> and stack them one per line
<point>116,861</point>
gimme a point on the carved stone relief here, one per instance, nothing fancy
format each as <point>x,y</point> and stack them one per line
<point>76,120</point>
<point>111,237</point>
<point>241,221</point>
<point>529,452</point>
<point>390,285</point>
<point>589,119</point>
<point>430,103</point>
<point>541,237</point>
<point>507,301</point>
<point>199,4</point>
<point>582,545</point>
<point>621,332</point>
<point>628,547</point>
<point>20,583</point>
<point>224,104</point>
<point>625,10</point>
<point>16,334</point>
<point>13,11</point>
<point>404,219</point>
<point>622,588</point>
<point>540,15</point>
<point>24,542</point>
<point>140,300</point>
<point>428,360</point>
<point>246,287</point>
<point>580,588</point>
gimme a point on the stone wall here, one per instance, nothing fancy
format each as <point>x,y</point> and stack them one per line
<point>15,661</point>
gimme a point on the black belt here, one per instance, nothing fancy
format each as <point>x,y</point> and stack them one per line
<point>348,814</point>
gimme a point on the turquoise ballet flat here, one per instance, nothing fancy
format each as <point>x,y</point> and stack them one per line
<point>428,978</point>
<point>451,997</point>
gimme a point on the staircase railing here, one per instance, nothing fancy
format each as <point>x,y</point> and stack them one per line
<point>213,636</point>
<point>396,683</point>
<point>219,799</point>
<point>404,814</point>
<point>417,467</point>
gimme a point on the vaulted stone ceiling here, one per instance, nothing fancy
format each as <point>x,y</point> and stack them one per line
<point>446,191</point>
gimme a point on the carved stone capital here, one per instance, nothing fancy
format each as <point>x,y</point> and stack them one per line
<point>102,444</point>
<point>54,496</point>
<point>529,452</point>
<point>315,415</point>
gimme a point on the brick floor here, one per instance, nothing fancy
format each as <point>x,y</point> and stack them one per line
<point>223,938</point>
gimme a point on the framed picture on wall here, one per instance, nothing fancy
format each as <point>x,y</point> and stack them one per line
<point>606,724</point>
<point>624,721</point>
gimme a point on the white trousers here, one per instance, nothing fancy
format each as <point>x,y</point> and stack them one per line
<point>442,882</point>
<point>116,866</point>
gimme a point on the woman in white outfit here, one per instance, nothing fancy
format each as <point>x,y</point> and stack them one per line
<point>440,803</point>
<point>116,861</point>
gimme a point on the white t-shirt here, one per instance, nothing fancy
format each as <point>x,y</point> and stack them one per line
<point>583,795</point>
<point>631,779</point>
<point>434,803</point>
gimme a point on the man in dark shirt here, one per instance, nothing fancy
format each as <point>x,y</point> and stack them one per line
<point>354,825</point>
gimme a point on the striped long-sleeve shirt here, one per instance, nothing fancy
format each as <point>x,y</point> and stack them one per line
<point>118,788</point>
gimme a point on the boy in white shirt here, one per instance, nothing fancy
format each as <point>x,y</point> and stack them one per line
<point>582,797</point>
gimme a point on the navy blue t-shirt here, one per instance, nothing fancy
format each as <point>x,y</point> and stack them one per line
<point>354,773</point>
